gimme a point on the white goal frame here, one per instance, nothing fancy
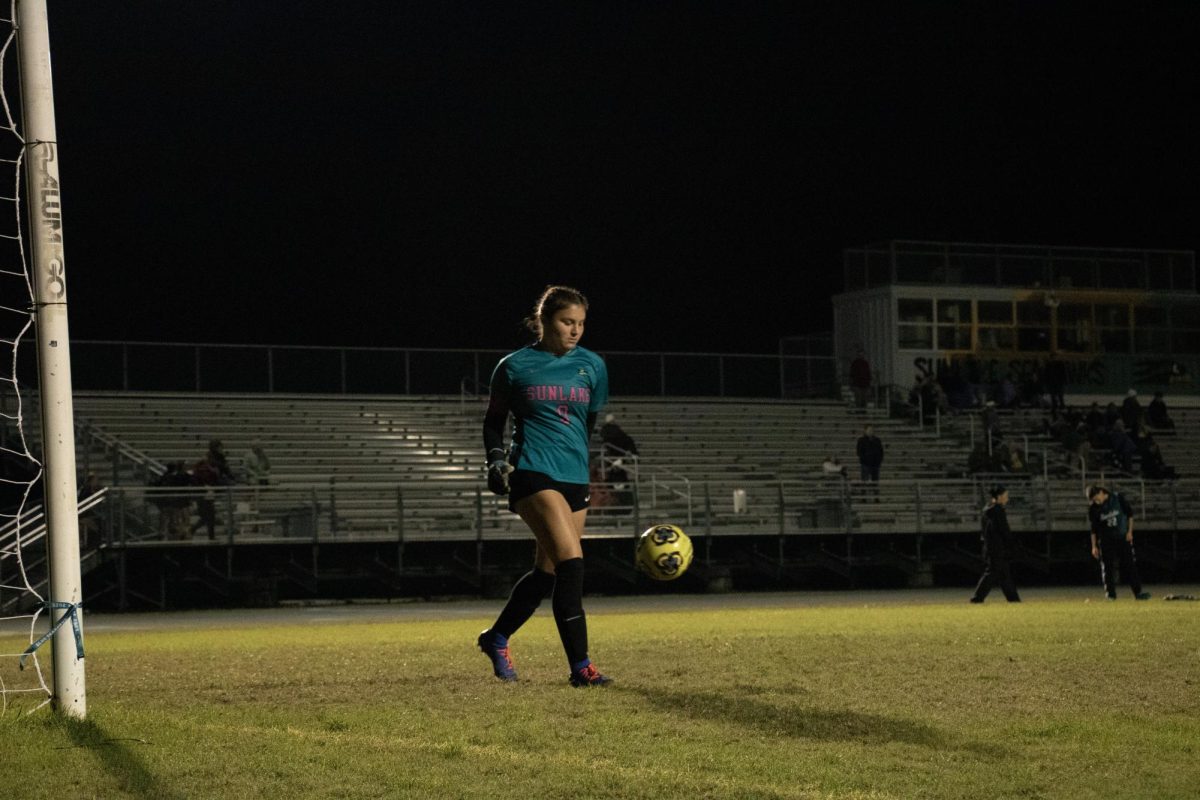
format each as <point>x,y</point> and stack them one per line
<point>54,356</point>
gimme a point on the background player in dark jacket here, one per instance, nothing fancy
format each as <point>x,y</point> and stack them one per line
<point>998,548</point>
<point>1111,521</point>
<point>870,457</point>
<point>554,389</point>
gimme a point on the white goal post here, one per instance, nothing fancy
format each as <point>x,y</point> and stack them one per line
<point>54,357</point>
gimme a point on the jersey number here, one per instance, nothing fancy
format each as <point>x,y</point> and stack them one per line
<point>564,413</point>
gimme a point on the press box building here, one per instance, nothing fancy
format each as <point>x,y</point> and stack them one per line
<point>1118,318</point>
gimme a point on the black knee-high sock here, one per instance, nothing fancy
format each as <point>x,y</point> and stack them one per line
<point>568,610</point>
<point>526,595</point>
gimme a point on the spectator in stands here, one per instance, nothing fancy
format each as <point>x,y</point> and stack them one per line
<point>870,458</point>
<point>860,379</point>
<point>1014,459</point>
<point>1110,518</point>
<point>210,472</point>
<point>1094,418</point>
<point>1056,382</point>
<point>1150,458</point>
<point>554,389</point>
<point>980,460</point>
<point>216,457</point>
<point>614,441</point>
<point>1122,446</point>
<point>1131,411</point>
<point>257,466</point>
<point>999,547</point>
<point>1156,414</point>
<point>173,507</point>
<point>1112,415</point>
<point>832,467</point>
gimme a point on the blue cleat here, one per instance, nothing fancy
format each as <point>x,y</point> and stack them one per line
<point>502,663</point>
<point>589,676</point>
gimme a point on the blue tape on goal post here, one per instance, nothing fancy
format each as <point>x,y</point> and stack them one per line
<point>72,610</point>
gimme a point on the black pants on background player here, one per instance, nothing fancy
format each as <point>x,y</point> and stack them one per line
<point>1115,550</point>
<point>996,572</point>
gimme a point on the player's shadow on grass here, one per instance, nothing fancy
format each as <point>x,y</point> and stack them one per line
<point>811,723</point>
<point>119,760</point>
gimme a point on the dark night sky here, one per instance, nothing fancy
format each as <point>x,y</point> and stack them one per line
<point>412,174</point>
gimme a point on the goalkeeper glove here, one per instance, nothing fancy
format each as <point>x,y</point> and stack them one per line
<point>497,476</point>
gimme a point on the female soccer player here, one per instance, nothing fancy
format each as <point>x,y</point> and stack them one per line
<point>554,389</point>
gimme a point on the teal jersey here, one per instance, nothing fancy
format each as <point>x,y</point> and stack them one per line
<point>550,398</point>
<point>1111,518</point>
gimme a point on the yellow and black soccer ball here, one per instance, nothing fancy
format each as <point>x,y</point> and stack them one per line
<point>664,552</point>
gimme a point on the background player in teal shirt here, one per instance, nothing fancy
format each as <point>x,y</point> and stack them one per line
<point>1111,520</point>
<point>554,389</point>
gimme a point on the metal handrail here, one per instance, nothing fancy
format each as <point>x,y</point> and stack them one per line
<point>31,523</point>
<point>334,377</point>
<point>474,385</point>
<point>447,509</point>
<point>606,461</point>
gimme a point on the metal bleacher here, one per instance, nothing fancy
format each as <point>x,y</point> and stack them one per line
<point>387,494</point>
<point>371,467</point>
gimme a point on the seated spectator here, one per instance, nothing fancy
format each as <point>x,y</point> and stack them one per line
<point>257,466</point>
<point>980,460</point>
<point>1156,414</point>
<point>1122,446</point>
<point>1094,418</point>
<point>1000,459</point>
<point>1153,465</point>
<point>832,467</point>
<point>1131,411</point>
<point>614,441</point>
<point>173,508</point>
<point>1112,415</point>
<point>1011,459</point>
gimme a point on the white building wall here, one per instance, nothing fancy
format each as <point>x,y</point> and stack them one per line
<point>868,320</point>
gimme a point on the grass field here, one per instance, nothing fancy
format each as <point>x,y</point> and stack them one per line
<point>1052,698</point>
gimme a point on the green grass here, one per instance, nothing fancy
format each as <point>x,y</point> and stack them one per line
<point>1050,699</point>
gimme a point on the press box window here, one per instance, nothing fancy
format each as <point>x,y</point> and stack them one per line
<point>994,312</point>
<point>1075,328</point>
<point>916,324</point>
